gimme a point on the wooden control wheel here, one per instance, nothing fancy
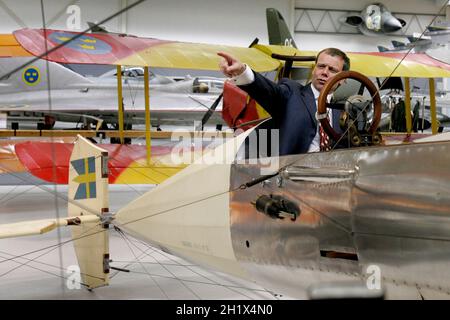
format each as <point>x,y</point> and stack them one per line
<point>322,104</point>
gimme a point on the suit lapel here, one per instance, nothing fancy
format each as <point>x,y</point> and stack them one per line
<point>308,100</point>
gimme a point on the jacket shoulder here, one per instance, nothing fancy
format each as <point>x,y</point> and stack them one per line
<point>291,83</point>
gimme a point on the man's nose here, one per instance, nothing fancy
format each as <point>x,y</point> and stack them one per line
<point>326,71</point>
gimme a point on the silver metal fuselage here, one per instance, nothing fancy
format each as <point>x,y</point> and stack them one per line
<point>382,207</point>
<point>393,213</point>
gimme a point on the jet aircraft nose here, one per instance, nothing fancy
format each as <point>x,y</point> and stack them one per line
<point>391,24</point>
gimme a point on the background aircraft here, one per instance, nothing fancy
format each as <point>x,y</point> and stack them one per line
<point>416,45</point>
<point>375,19</point>
<point>25,95</point>
<point>420,43</point>
<point>439,32</point>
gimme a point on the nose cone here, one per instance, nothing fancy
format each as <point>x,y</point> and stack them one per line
<point>391,24</point>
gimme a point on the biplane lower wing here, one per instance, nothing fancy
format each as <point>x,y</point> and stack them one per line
<point>127,163</point>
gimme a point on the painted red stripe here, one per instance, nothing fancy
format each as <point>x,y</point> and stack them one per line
<point>49,161</point>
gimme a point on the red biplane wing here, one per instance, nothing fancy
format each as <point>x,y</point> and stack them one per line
<point>127,163</point>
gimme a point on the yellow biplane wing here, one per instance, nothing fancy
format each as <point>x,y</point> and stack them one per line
<point>377,64</point>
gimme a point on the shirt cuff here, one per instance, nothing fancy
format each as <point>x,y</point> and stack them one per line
<point>244,78</point>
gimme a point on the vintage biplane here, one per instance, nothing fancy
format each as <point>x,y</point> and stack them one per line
<point>367,221</point>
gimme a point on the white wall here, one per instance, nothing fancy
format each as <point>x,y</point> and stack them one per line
<point>30,14</point>
<point>228,22</point>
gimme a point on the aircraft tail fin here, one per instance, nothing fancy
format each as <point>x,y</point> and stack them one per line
<point>88,195</point>
<point>279,33</point>
<point>398,44</point>
<point>412,38</point>
<point>87,213</point>
<point>34,76</point>
<point>383,49</point>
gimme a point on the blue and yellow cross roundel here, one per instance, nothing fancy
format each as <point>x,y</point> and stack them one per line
<point>31,76</point>
<point>85,169</point>
<point>83,44</point>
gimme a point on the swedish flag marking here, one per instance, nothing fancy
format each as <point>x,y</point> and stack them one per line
<point>84,44</point>
<point>31,76</point>
<point>85,169</point>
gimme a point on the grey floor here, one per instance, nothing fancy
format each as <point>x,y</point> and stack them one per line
<point>33,268</point>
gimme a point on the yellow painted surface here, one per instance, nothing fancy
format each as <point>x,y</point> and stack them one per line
<point>160,168</point>
<point>408,106</point>
<point>434,121</point>
<point>140,173</point>
<point>379,66</point>
<point>9,47</point>
<point>184,55</point>
<point>262,113</point>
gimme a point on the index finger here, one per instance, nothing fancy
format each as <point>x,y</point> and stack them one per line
<point>227,57</point>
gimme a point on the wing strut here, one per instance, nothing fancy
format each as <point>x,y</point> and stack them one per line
<point>120,102</point>
<point>147,114</point>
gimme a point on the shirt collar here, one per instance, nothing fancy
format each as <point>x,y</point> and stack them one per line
<point>317,93</point>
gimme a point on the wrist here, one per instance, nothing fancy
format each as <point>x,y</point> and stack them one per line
<point>243,68</point>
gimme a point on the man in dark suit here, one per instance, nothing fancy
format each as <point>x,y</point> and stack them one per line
<point>292,106</point>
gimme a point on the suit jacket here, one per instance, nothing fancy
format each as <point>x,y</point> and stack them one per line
<point>293,108</point>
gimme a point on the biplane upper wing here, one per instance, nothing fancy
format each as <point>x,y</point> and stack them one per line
<point>136,51</point>
<point>380,64</point>
<point>395,64</point>
<point>128,50</point>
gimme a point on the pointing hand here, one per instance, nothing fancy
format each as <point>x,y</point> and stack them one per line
<point>230,66</point>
